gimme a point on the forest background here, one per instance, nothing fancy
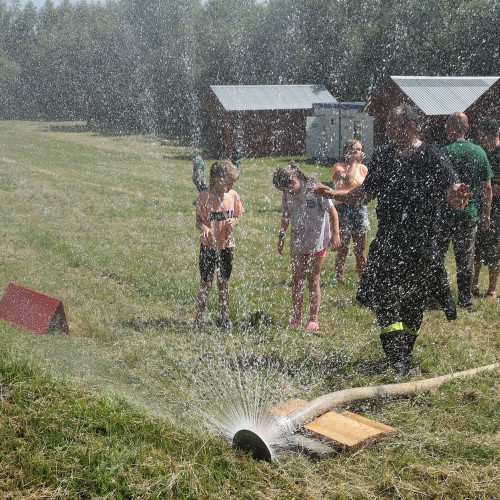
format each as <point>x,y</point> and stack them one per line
<point>143,66</point>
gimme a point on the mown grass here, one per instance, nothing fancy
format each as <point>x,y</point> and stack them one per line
<point>125,405</point>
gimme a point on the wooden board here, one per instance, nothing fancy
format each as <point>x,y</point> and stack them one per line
<point>347,429</point>
<point>386,429</point>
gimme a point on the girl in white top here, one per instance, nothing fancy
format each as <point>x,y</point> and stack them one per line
<point>311,218</point>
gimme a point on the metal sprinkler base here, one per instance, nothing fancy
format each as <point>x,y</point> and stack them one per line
<point>250,441</point>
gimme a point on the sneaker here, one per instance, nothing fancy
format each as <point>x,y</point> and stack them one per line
<point>313,325</point>
<point>294,322</point>
<point>490,295</point>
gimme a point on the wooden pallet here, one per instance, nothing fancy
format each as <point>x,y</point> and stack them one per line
<point>348,430</point>
<point>342,429</point>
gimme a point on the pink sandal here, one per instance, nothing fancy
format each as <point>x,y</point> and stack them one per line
<point>313,325</point>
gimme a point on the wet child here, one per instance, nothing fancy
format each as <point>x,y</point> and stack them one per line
<point>312,219</point>
<point>347,174</point>
<point>217,211</point>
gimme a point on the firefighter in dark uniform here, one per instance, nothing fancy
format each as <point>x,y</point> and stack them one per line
<point>412,181</point>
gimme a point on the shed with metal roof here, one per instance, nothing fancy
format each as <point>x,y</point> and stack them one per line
<point>436,97</point>
<point>260,120</point>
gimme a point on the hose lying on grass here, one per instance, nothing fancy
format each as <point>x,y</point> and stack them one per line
<point>251,441</point>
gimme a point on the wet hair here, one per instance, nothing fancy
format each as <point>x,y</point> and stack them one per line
<point>283,176</point>
<point>348,148</point>
<point>488,126</point>
<point>223,170</point>
<point>409,114</point>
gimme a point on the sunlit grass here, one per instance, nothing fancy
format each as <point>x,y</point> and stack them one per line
<point>106,224</point>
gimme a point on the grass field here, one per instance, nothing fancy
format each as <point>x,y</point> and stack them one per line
<point>133,403</point>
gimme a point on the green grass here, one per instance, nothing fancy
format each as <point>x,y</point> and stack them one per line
<point>124,406</point>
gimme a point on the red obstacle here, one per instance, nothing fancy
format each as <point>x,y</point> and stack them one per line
<point>35,311</point>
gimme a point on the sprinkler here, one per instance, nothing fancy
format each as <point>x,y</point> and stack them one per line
<point>251,441</point>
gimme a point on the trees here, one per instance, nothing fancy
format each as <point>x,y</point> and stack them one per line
<point>128,65</point>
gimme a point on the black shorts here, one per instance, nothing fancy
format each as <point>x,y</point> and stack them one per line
<point>211,259</point>
<point>488,243</point>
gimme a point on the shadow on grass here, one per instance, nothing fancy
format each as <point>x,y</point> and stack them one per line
<point>256,320</point>
<point>178,157</point>
<point>141,324</point>
<point>69,128</point>
<point>253,321</point>
<point>330,366</point>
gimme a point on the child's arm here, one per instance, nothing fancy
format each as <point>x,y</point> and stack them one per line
<point>206,233</point>
<point>285,221</point>
<point>356,195</point>
<point>237,211</point>
<point>338,175</point>
<point>334,222</point>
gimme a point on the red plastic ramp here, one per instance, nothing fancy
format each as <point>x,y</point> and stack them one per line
<point>35,311</point>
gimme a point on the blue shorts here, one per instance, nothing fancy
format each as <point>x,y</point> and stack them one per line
<point>353,217</point>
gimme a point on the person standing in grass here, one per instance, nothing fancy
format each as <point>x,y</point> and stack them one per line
<point>412,181</point>
<point>311,218</point>
<point>460,228</point>
<point>217,212</point>
<point>353,219</point>
<point>488,239</point>
<point>199,171</point>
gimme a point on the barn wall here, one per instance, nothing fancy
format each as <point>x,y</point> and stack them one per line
<point>256,133</point>
<point>391,95</point>
<point>488,105</point>
<point>268,133</point>
<point>213,124</point>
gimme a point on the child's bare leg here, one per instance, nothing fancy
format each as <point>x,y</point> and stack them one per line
<point>345,237</point>
<point>359,245</point>
<point>298,279</point>
<point>223,287</point>
<point>314,271</point>
<point>201,299</point>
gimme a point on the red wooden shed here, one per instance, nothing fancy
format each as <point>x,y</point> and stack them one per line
<point>437,97</point>
<point>260,120</point>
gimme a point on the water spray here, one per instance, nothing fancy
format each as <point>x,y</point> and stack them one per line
<point>257,442</point>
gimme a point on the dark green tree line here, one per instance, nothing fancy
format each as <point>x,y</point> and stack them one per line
<point>129,65</point>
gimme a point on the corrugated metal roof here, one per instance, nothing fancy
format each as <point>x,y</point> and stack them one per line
<point>442,95</point>
<point>268,97</point>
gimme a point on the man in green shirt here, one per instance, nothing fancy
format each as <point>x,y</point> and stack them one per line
<point>460,227</point>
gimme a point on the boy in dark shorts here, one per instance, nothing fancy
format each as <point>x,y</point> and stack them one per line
<point>217,211</point>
